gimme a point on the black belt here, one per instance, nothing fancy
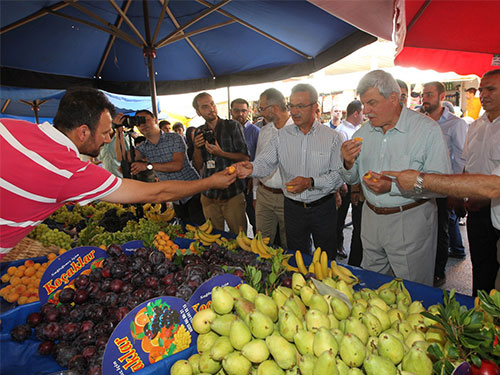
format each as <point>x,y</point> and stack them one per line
<point>312,204</point>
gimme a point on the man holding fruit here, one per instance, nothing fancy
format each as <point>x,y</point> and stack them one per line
<point>398,230</point>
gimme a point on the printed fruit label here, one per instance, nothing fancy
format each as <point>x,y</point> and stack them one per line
<point>152,331</point>
<point>130,247</point>
<point>67,267</point>
<point>202,297</point>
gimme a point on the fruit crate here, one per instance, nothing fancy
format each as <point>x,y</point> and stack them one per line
<point>28,248</point>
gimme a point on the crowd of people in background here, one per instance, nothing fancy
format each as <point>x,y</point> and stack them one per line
<point>298,177</point>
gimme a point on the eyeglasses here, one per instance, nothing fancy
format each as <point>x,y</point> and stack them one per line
<point>300,107</point>
<point>237,110</point>
<point>260,109</point>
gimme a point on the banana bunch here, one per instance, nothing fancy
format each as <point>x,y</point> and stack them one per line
<point>205,238</point>
<point>154,212</point>
<point>228,244</point>
<point>343,273</point>
<point>397,286</point>
<point>256,245</point>
<point>207,227</point>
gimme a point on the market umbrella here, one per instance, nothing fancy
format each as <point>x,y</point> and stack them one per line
<point>137,47</point>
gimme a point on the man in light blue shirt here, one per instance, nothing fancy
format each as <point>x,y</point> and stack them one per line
<point>398,230</point>
<point>308,156</point>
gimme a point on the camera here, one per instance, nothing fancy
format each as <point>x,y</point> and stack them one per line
<point>209,136</point>
<point>131,121</point>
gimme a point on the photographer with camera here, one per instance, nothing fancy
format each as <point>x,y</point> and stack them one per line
<point>219,144</point>
<point>165,154</point>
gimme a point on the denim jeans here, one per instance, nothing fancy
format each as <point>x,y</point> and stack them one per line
<point>456,244</point>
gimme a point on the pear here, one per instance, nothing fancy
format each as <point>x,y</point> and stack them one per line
<point>391,348</point>
<point>403,300</point>
<point>357,295</point>
<point>269,367</point>
<point>248,292</point>
<point>266,305</point>
<point>330,282</point>
<point>233,291</point>
<point>403,327</point>
<point>261,325</point>
<point>415,307</point>
<point>300,304</point>
<point>181,367</point>
<point>292,305</point>
<point>316,319</point>
<point>367,294</point>
<point>416,321</point>
<point>372,345</point>
<point>424,345</point>
<point>288,325</point>
<point>355,371</point>
<point>256,351</point>
<point>413,337</point>
<point>298,282</point>
<point>305,294</point>
<point>417,361</point>
<point>208,365</point>
<point>306,364</point>
<point>279,297</point>
<point>334,323</point>
<point>222,324</point>
<point>396,315</point>
<point>342,368</point>
<point>376,365</point>
<point>379,302</point>
<point>372,323</point>
<point>318,302</point>
<point>304,341</point>
<point>352,350</point>
<point>284,353</point>
<point>324,341</point>
<point>381,315</point>
<point>342,325</point>
<point>326,364</point>
<point>243,308</point>
<point>388,296</point>
<point>396,334</point>
<point>354,326</point>
<point>222,347</point>
<point>338,334</point>
<point>328,299</point>
<point>202,320</point>
<point>222,300</point>
<point>346,289</point>
<point>357,310</point>
<point>363,302</point>
<point>194,361</point>
<point>205,341</point>
<point>293,371</point>
<point>340,308</point>
<point>435,335</point>
<point>236,364</point>
<point>239,334</point>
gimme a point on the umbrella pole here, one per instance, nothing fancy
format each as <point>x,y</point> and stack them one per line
<point>150,54</point>
<point>228,103</point>
<point>35,108</point>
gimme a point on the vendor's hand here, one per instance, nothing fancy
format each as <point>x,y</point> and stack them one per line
<point>137,167</point>
<point>343,190</point>
<point>350,151</point>
<point>199,140</point>
<point>355,196</point>
<point>377,182</point>
<point>243,169</point>
<point>338,200</point>
<point>405,179</point>
<point>213,149</point>
<point>222,179</point>
<point>298,185</point>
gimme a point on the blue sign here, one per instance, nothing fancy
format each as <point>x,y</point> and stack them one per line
<point>202,297</point>
<point>130,247</point>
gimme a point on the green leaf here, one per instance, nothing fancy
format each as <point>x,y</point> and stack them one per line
<point>132,327</point>
<point>149,310</point>
<point>453,352</point>
<point>435,351</point>
<point>160,341</point>
<point>476,361</point>
<point>140,335</point>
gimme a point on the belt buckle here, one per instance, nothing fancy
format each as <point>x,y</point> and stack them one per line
<point>305,205</point>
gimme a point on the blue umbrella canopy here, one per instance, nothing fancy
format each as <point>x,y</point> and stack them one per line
<point>190,45</point>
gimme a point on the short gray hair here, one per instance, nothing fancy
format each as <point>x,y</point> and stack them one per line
<point>306,87</point>
<point>382,81</point>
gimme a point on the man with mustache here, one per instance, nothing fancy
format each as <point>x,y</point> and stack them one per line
<point>482,156</point>
<point>454,130</point>
<point>398,230</point>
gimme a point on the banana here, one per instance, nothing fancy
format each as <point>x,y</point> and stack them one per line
<point>190,228</point>
<point>317,255</point>
<point>263,248</point>
<point>311,268</point>
<point>169,214</point>
<point>389,285</point>
<point>266,240</point>
<point>318,271</point>
<point>336,272</point>
<point>241,241</point>
<point>324,263</point>
<point>288,266</point>
<point>347,272</point>
<point>300,262</point>
<point>206,239</point>
<point>207,227</point>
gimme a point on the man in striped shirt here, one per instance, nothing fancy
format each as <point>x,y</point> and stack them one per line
<point>41,169</point>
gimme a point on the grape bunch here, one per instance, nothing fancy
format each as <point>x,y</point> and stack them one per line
<point>68,218</point>
<point>47,237</point>
<point>161,317</point>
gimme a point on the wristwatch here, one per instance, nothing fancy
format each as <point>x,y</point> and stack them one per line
<point>149,167</point>
<point>312,183</point>
<point>419,183</point>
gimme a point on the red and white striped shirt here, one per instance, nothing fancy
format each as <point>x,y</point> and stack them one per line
<point>40,171</point>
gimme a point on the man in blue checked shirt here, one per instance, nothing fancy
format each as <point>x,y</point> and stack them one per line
<point>308,156</point>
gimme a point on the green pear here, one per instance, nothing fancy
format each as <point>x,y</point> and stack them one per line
<point>293,371</point>
<point>342,325</point>
<point>367,294</point>
<point>376,365</point>
<point>403,327</point>
<point>261,325</point>
<point>340,308</point>
<point>357,310</point>
<point>381,315</point>
<point>236,364</point>
<point>318,302</point>
<point>388,296</point>
<point>396,315</point>
<point>424,345</point>
<point>248,292</point>
<point>194,361</point>
<point>363,302</point>
<point>181,367</point>
<point>202,320</point>
<point>379,302</point>
<point>266,305</point>
<point>357,295</point>
<point>233,291</point>
<point>416,321</point>
<point>300,304</point>
<point>256,351</point>
<point>415,307</point>
<point>286,291</point>
<point>205,341</point>
<point>396,334</point>
<point>326,364</point>
<point>222,300</point>
<point>372,323</point>
<point>435,335</point>
<point>330,282</point>
<point>298,282</point>
<point>222,324</point>
<point>354,326</point>
<point>243,308</point>
<point>324,341</point>
<point>289,324</point>
<point>342,368</point>
<point>334,323</point>
<point>346,289</point>
<point>304,341</point>
<point>239,334</point>
<point>279,297</point>
<point>403,299</point>
<point>292,305</point>
<point>338,334</point>
<point>208,365</point>
<point>305,294</point>
<point>352,350</point>
<point>417,361</point>
<point>372,345</point>
<point>283,352</point>
<point>221,348</point>
<point>269,367</point>
<point>306,364</point>
<point>355,371</point>
<point>391,348</point>
<point>316,319</point>
<point>328,299</point>
<point>413,337</point>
